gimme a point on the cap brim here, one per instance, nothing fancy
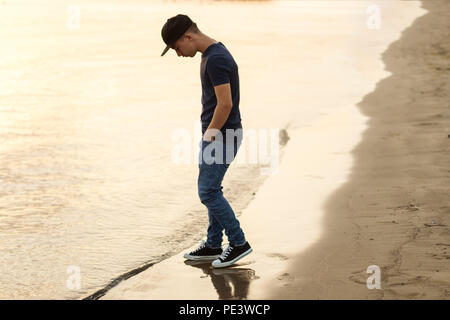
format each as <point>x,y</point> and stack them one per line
<point>165,50</point>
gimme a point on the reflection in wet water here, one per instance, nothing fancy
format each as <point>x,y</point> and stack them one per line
<point>230,283</point>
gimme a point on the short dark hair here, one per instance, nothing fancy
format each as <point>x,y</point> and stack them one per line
<point>193,28</point>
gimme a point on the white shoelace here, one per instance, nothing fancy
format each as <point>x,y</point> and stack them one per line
<point>225,254</point>
<point>202,245</point>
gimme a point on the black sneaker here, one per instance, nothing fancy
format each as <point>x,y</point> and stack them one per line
<point>203,253</point>
<point>231,255</point>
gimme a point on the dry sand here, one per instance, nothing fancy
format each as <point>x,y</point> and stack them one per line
<point>391,209</point>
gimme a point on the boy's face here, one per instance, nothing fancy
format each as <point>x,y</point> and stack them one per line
<point>185,46</point>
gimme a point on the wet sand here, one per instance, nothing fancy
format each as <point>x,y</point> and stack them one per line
<point>394,212</point>
<point>391,209</point>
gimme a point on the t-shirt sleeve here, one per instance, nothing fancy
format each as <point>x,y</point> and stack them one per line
<point>218,69</point>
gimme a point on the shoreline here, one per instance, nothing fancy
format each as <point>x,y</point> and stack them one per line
<point>239,198</point>
<point>317,255</point>
<point>251,276</point>
<point>394,210</point>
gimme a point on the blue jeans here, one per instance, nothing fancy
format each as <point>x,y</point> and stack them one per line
<point>213,164</point>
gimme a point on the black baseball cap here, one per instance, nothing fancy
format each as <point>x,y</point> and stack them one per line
<point>173,29</point>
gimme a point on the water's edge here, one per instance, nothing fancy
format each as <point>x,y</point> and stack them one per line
<point>238,207</point>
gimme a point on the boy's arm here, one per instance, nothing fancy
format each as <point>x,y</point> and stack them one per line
<point>221,112</point>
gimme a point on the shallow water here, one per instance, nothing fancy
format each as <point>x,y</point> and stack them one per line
<point>87,115</point>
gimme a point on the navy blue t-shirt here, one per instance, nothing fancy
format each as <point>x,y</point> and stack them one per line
<point>218,67</point>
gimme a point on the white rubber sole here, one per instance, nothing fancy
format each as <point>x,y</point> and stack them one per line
<point>198,258</point>
<point>218,264</point>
